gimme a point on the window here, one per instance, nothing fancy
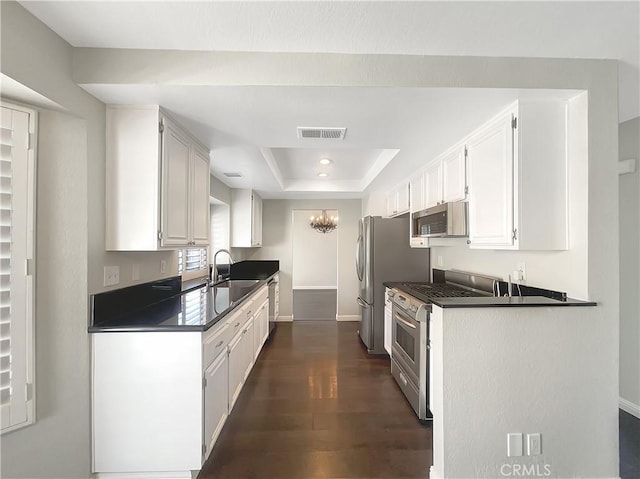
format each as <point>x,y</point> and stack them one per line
<point>17,211</point>
<point>192,263</point>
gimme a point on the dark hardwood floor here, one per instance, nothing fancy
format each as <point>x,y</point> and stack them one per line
<point>317,406</point>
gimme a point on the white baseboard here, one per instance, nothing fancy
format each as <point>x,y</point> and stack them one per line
<point>347,317</point>
<point>145,475</point>
<point>285,319</point>
<point>629,407</point>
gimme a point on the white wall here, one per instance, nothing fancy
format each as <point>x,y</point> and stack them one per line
<point>315,255</point>
<point>630,270</point>
<point>277,244</point>
<point>492,364</point>
<point>70,250</point>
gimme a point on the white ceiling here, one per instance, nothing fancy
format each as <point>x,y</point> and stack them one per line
<point>253,129</point>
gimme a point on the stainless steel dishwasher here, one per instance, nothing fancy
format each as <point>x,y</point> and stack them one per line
<point>274,301</point>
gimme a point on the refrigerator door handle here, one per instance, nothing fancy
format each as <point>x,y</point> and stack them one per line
<point>358,264</point>
<point>361,303</point>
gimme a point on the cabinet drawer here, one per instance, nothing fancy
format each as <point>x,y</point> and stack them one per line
<point>260,297</point>
<point>237,322</point>
<point>250,308</point>
<point>215,343</point>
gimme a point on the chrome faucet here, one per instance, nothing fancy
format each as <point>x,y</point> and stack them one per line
<point>215,264</point>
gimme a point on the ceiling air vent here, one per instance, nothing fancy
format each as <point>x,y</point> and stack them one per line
<point>321,133</point>
<point>233,175</point>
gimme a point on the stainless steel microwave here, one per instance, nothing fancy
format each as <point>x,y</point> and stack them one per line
<point>447,219</point>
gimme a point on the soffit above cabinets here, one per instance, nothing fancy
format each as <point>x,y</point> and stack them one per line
<point>391,132</point>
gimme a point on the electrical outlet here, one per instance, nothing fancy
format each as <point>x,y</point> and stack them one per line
<point>111,275</point>
<point>522,272</point>
<point>514,444</point>
<point>534,444</point>
<point>163,266</point>
<point>135,272</point>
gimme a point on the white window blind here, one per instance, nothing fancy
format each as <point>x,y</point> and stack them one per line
<point>192,263</point>
<point>17,209</point>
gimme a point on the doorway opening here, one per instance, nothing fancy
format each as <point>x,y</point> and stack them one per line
<point>315,269</point>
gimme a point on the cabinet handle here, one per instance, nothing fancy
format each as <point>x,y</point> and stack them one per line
<point>237,324</point>
<point>219,344</point>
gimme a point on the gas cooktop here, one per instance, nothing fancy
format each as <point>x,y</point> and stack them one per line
<point>441,290</point>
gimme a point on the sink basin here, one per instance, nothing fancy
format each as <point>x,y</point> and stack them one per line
<point>236,283</point>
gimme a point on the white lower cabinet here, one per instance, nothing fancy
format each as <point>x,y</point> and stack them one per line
<point>160,399</point>
<point>216,404</point>
<point>261,327</point>
<point>237,366</point>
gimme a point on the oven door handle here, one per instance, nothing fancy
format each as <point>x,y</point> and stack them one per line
<point>405,322</point>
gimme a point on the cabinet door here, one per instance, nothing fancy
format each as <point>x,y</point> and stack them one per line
<point>216,401</point>
<point>200,198</point>
<point>248,347</point>
<point>175,187</point>
<point>392,203</point>
<point>256,220</point>
<point>490,169</point>
<point>417,193</point>
<point>237,366</point>
<point>433,184</point>
<point>403,198</point>
<point>454,176</point>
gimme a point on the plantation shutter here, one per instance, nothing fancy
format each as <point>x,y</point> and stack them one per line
<point>192,260</point>
<point>16,280</point>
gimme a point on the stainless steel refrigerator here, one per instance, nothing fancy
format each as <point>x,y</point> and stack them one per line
<point>383,254</point>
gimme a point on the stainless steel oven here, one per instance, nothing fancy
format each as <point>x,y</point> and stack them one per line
<point>410,351</point>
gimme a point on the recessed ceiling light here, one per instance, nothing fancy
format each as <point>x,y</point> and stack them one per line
<point>325,161</point>
<point>323,175</point>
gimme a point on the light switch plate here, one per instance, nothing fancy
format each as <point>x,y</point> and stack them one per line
<point>514,444</point>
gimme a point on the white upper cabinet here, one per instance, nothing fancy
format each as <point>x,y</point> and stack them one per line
<point>398,200</point>
<point>445,178</point>
<point>454,175</point>
<point>517,168</point>
<point>246,219</point>
<point>416,187</point>
<point>157,182</point>
<point>433,184</point>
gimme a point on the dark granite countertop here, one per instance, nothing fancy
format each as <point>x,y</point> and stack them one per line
<point>197,309</point>
<point>490,301</point>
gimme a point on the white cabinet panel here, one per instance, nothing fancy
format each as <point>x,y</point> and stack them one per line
<point>433,184</point>
<point>236,368</point>
<point>246,218</point>
<point>454,178</point>
<point>200,198</point>
<point>147,408</point>
<point>175,186</point>
<point>490,154</point>
<point>398,200</point>
<point>216,405</point>
<point>416,187</point>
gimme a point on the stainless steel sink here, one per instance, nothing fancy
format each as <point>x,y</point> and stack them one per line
<point>236,283</point>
